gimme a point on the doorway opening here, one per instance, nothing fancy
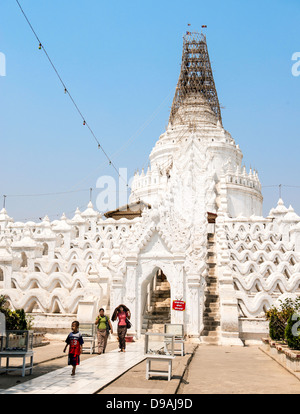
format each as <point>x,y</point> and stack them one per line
<point>157,309</point>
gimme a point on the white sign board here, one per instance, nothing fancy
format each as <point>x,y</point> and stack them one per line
<point>2,324</point>
<point>175,329</point>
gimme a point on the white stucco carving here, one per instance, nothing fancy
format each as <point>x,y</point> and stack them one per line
<point>50,268</point>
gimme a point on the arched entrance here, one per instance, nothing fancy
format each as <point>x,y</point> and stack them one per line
<point>134,283</point>
<point>164,277</point>
<point>157,303</point>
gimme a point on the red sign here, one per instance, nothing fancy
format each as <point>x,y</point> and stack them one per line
<point>178,305</point>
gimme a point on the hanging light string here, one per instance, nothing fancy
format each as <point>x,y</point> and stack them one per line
<point>41,46</point>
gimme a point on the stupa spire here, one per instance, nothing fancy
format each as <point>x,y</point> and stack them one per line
<point>196,77</point>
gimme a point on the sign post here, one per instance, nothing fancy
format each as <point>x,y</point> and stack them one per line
<point>178,305</point>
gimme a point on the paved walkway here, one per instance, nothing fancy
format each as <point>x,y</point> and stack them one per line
<point>213,370</point>
<point>236,370</point>
<point>91,375</point>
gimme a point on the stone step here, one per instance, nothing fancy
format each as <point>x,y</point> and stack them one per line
<point>212,305</point>
<point>210,252</point>
<point>215,320</point>
<point>158,318</point>
<point>154,318</point>
<point>164,284</point>
<point>209,318</point>
<point>214,312</point>
<point>211,291</point>
<point>158,315</point>
<point>161,309</point>
<point>211,332</point>
<point>159,290</point>
<point>210,329</point>
<point>212,301</point>
<point>211,279</point>
<point>161,294</point>
<point>211,312</point>
<point>214,315</point>
<point>210,282</point>
<point>211,296</point>
<point>157,322</point>
<point>210,323</point>
<point>160,300</point>
<point>161,303</point>
<point>163,288</point>
<point>159,306</point>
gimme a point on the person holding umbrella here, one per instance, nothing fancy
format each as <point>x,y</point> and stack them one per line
<point>122,313</point>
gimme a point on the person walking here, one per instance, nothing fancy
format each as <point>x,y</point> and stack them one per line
<point>122,313</point>
<point>103,327</point>
<point>74,341</point>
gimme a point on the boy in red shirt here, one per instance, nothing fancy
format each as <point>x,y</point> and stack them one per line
<point>75,341</point>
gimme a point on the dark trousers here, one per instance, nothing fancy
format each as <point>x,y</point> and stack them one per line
<point>121,335</point>
<point>102,337</point>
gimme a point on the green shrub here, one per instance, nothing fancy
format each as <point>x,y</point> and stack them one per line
<point>276,327</point>
<point>278,317</point>
<point>292,332</point>
<point>15,320</point>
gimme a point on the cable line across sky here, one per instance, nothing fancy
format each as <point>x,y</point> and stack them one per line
<point>66,91</point>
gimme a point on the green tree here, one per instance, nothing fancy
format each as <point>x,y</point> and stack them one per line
<point>292,331</point>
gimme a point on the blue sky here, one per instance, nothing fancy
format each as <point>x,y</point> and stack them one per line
<point>121,61</point>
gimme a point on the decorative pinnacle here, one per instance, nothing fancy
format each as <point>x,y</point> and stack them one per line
<point>196,75</point>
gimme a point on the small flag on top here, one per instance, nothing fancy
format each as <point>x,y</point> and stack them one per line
<point>204,26</point>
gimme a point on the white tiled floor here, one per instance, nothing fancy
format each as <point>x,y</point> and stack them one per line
<point>91,375</point>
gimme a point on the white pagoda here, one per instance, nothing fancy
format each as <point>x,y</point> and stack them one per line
<point>192,233</point>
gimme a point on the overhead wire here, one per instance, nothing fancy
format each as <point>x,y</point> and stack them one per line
<point>131,139</point>
<point>66,90</point>
<point>85,123</point>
